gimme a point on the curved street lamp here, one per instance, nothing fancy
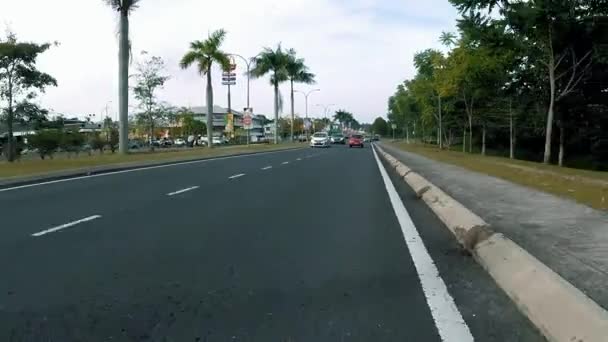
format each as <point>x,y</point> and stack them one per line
<point>306,102</point>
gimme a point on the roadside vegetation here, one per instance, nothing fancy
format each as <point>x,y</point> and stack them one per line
<point>527,82</point>
<point>65,161</point>
<point>584,186</point>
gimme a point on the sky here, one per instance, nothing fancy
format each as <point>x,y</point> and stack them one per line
<point>359,50</point>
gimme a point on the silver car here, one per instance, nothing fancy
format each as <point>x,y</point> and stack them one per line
<point>320,139</point>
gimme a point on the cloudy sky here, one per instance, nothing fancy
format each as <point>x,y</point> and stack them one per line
<point>359,49</point>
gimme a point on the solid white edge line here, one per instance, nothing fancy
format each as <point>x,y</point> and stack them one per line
<point>236,176</point>
<point>67,225</point>
<point>182,191</point>
<point>144,169</point>
<point>448,320</point>
<point>267,168</point>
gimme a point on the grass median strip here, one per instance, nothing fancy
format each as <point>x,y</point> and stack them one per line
<point>584,186</point>
<point>33,167</point>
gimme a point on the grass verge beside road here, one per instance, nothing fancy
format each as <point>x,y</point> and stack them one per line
<point>584,186</point>
<point>33,167</point>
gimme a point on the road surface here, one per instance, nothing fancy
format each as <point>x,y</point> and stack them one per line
<point>301,245</point>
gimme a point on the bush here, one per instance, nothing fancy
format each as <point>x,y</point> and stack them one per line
<point>71,141</point>
<point>46,142</point>
<point>97,143</point>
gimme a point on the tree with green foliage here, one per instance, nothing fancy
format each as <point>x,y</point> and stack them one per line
<point>380,126</point>
<point>297,72</point>
<point>124,8</point>
<point>71,141</point>
<point>204,54</point>
<point>273,62</point>
<point>149,80</point>
<point>46,142</point>
<point>19,81</point>
<point>557,35</point>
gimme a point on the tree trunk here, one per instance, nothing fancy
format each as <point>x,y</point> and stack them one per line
<point>511,134</point>
<point>561,145</point>
<point>464,139</point>
<point>276,113</point>
<point>10,143</point>
<point>483,140</point>
<point>549,129</point>
<point>292,111</point>
<point>209,109</point>
<point>440,124</point>
<point>151,134</point>
<point>407,134</point>
<point>123,83</point>
<point>470,133</point>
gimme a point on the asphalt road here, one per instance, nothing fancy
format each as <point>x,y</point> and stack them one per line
<point>301,245</point>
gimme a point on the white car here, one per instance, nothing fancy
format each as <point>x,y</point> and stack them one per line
<point>179,142</point>
<point>320,139</point>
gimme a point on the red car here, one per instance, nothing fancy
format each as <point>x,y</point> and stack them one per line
<point>355,140</point>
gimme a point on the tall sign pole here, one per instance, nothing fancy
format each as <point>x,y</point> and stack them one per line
<point>229,79</point>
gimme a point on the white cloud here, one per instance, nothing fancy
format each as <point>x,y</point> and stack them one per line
<point>359,49</point>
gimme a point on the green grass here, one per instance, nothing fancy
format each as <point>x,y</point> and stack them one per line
<point>584,186</point>
<point>33,166</point>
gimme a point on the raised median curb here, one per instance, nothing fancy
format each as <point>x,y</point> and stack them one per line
<point>10,182</point>
<point>558,309</point>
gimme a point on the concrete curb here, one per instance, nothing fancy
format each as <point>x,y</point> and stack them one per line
<point>558,309</point>
<point>96,170</point>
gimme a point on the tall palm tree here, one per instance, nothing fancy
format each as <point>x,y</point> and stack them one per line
<point>297,72</point>
<point>204,54</point>
<point>274,62</point>
<point>124,8</point>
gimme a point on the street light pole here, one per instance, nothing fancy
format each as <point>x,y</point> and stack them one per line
<point>306,104</point>
<point>248,64</point>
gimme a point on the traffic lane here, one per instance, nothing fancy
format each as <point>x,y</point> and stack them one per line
<point>33,209</point>
<point>487,310</point>
<point>308,251</point>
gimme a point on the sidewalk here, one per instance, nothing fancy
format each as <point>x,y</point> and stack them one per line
<point>570,238</point>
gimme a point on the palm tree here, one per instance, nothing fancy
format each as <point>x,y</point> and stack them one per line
<point>204,54</point>
<point>298,72</point>
<point>124,7</point>
<point>274,62</point>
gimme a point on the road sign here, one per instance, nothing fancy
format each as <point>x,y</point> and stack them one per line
<point>229,83</point>
<point>228,74</point>
<point>394,126</point>
<point>228,79</point>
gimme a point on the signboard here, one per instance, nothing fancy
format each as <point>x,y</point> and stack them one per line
<point>228,74</point>
<point>307,124</point>
<point>228,83</point>
<point>247,120</point>
<point>394,126</point>
<point>228,78</point>
<point>229,122</point>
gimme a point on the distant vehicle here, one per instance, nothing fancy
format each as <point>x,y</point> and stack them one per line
<point>355,140</point>
<point>133,145</point>
<point>376,138</point>
<point>165,142</point>
<point>338,139</point>
<point>216,140</point>
<point>367,138</point>
<point>302,138</point>
<point>179,142</point>
<point>320,139</point>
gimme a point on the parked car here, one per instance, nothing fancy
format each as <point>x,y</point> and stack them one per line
<point>355,140</point>
<point>179,142</point>
<point>302,138</point>
<point>338,139</point>
<point>216,140</point>
<point>376,138</point>
<point>320,139</point>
